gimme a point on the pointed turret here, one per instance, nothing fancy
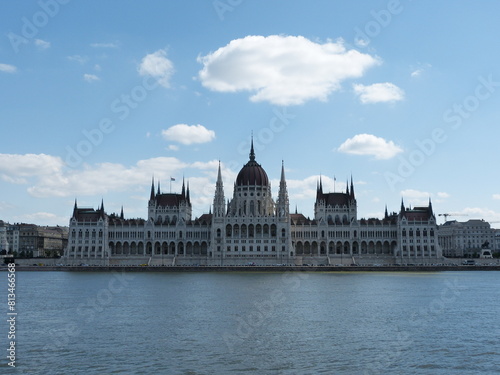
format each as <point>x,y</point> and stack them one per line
<point>347,188</point>
<point>75,208</point>
<point>158,187</point>
<point>403,209</point>
<point>352,189</point>
<point>101,210</point>
<point>152,196</point>
<point>386,215</point>
<point>431,213</point>
<point>252,152</point>
<point>187,194</point>
<point>183,191</point>
<point>121,214</point>
<point>219,199</point>
<point>282,205</point>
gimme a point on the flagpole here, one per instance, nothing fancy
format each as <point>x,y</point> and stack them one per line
<point>170,184</point>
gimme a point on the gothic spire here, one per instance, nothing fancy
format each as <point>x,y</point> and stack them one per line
<point>283,206</point>
<point>347,188</point>
<point>352,188</point>
<point>152,196</point>
<point>183,192</point>
<point>159,187</point>
<point>403,209</point>
<point>219,200</point>
<point>187,193</point>
<point>121,214</point>
<point>74,209</point>
<point>101,210</point>
<point>386,215</point>
<point>252,152</point>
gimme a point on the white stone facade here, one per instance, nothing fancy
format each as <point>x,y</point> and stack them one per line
<point>466,239</point>
<point>251,228</point>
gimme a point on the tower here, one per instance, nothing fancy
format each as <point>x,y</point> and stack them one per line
<point>219,208</point>
<point>282,204</point>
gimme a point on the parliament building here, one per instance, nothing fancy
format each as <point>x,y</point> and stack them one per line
<point>252,228</point>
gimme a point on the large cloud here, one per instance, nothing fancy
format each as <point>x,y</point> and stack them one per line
<point>379,92</point>
<point>157,66</point>
<point>187,134</point>
<point>27,165</point>
<point>368,144</point>
<point>283,70</point>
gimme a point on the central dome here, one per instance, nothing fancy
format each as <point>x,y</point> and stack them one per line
<point>252,173</point>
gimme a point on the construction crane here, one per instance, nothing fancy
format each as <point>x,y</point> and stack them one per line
<point>451,214</point>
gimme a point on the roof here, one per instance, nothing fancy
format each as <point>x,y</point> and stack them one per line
<point>300,219</point>
<point>252,174</point>
<point>334,199</point>
<point>417,214</point>
<point>87,214</point>
<point>170,199</point>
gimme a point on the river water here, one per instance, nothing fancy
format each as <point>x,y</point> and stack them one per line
<point>255,323</point>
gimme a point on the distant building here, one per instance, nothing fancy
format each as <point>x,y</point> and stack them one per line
<point>52,240</point>
<point>4,244</point>
<point>466,239</point>
<point>252,228</point>
<point>31,240</point>
<point>13,237</point>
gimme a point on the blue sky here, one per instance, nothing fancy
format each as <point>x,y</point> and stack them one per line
<point>99,96</point>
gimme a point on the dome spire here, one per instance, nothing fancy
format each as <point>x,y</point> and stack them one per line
<point>252,152</point>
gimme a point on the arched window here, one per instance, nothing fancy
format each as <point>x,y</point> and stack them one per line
<point>283,232</point>
<point>218,232</point>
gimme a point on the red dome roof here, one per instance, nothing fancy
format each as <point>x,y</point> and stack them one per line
<point>252,173</point>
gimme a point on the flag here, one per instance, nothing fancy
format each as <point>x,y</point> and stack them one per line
<point>172,179</point>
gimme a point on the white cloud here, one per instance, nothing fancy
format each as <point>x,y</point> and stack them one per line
<point>415,194</point>
<point>90,77</point>
<point>42,44</point>
<point>414,197</point>
<point>158,66</point>
<point>46,218</point>
<point>104,177</point>
<point>496,196</point>
<point>104,45</point>
<point>187,134</point>
<point>6,68</point>
<point>378,92</point>
<point>78,58</point>
<point>306,188</point>
<point>28,165</point>
<point>368,144</point>
<point>416,72</point>
<point>443,195</point>
<point>173,147</point>
<point>283,70</point>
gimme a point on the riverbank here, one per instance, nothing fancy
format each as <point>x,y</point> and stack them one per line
<point>256,268</point>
